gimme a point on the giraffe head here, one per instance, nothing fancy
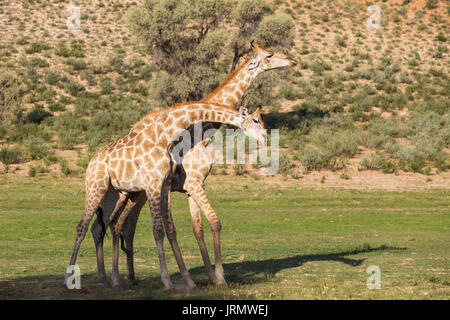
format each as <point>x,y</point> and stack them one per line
<point>253,125</point>
<point>266,59</point>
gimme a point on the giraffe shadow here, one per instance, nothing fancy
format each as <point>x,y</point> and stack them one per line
<point>249,272</point>
<point>236,273</point>
<point>300,118</point>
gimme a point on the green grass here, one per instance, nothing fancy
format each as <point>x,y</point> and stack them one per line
<point>277,243</point>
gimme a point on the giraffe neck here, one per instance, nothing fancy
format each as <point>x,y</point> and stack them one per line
<point>234,87</point>
<point>182,118</point>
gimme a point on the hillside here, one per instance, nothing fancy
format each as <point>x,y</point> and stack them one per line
<point>360,99</point>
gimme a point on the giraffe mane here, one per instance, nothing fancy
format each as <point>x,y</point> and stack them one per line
<point>174,107</point>
<point>228,80</point>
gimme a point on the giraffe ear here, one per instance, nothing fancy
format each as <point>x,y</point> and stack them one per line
<point>243,112</point>
<point>254,45</point>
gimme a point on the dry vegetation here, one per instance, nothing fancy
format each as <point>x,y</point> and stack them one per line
<point>361,102</point>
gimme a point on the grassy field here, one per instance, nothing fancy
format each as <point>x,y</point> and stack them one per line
<point>278,243</point>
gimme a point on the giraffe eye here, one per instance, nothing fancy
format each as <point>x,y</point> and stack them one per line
<point>256,121</point>
<point>270,56</point>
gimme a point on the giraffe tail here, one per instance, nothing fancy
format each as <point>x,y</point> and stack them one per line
<point>99,213</point>
<point>122,245</point>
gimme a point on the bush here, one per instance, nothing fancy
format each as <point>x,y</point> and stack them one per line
<point>74,88</point>
<point>106,86</point>
<point>10,155</point>
<point>285,164</point>
<point>84,161</point>
<point>340,143</point>
<point>65,169</point>
<point>67,138</point>
<point>311,159</point>
<point>37,115</point>
<point>371,161</point>
<point>76,64</point>
<point>37,47</point>
<point>417,164</point>
<point>52,77</point>
<point>37,148</point>
<point>440,162</point>
<point>240,169</point>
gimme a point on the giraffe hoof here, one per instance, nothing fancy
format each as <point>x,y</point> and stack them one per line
<point>170,289</point>
<point>103,280</point>
<point>221,283</point>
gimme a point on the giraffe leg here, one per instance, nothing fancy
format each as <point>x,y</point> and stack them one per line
<point>172,235</point>
<point>115,279</point>
<point>198,193</point>
<point>94,197</point>
<point>108,208</point>
<point>154,197</point>
<point>134,207</point>
<point>197,227</point>
<point>115,233</point>
<point>98,234</point>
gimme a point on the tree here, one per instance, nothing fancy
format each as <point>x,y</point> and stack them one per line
<point>196,43</point>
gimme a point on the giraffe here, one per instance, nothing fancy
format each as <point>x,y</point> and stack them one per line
<point>141,161</point>
<point>189,178</point>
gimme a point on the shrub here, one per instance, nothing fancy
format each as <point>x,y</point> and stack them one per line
<point>431,4</point>
<point>56,107</point>
<point>67,138</point>
<point>340,143</point>
<point>76,64</point>
<point>65,169</point>
<point>285,164</point>
<point>37,47</point>
<point>417,164</point>
<point>74,88</point>
<point>52,77</point>
<point>106,86</point>
<point>10,155</point>
<point>440,162</point>
<point>37,148</point>
<point>240,169</point>
<point>287,92</point>
<point>371,161</point>
<point>311,159</point>
<point>37,115</point>
<point>84,161</point>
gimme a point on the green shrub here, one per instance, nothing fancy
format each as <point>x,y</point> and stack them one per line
<point>56,107</point>
<point>417,164</point>
<point>38,62</point>
<point>37,148</point>
<point>83,162</point>
<point>52,77</point>
<point>240,169</point>
<point>371,161</point>
<point>37,115</point>
<point>76,64</point>
<point>67,139</point>
<point>37,47</point>
<point>440,162</point>
<point>285,165</point>
<point>311,159</point>
<point>10,155</point>
<point>388,166</point>
<point>106,86</point>
<point>74,88</point>
<point>65,169</point>
<point>335,143</point>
